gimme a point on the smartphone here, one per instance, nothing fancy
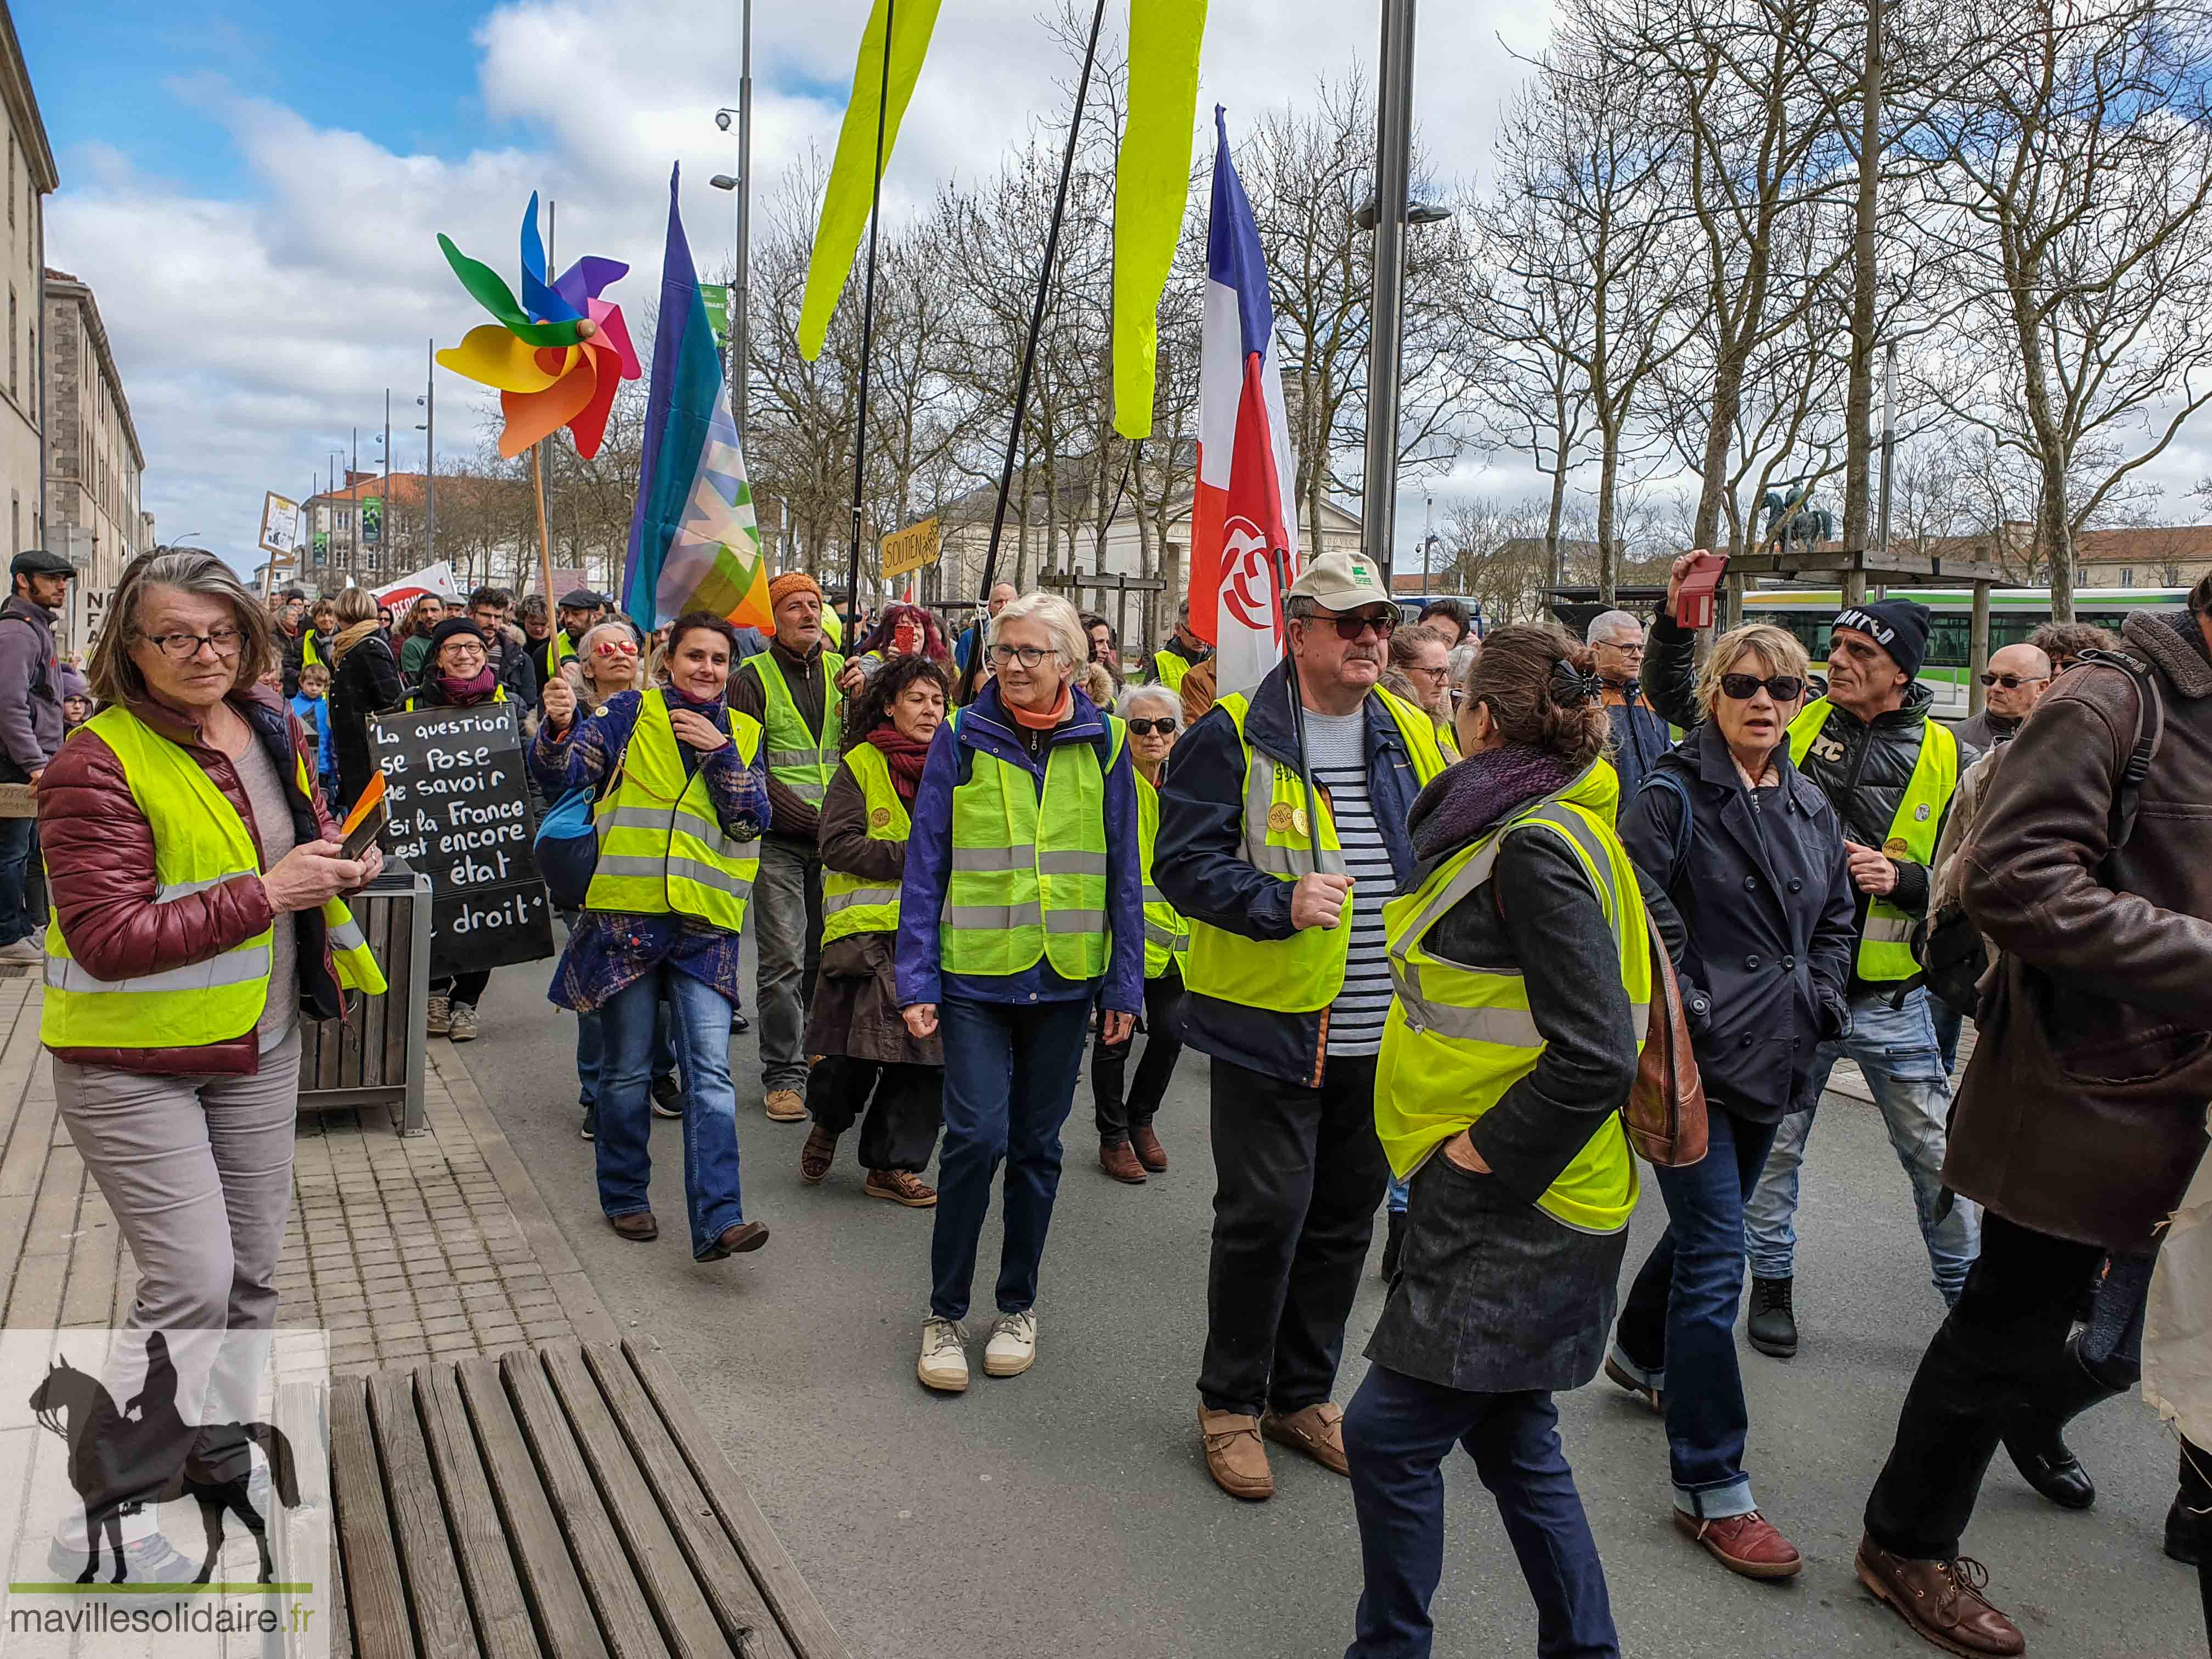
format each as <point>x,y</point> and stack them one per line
<point>367,820</point>
<point>1694,608</point>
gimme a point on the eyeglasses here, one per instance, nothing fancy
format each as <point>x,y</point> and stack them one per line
<point>183,648</point>
<point>1440,672</point>
<point>2012,682</point>
<point>1635,650</point>
<point>461,652</point>
<point>1160,728</point>
<point>1783,687</point>
<point>1349,629</point>
<point>616,649</point>
<point>1029,655</point>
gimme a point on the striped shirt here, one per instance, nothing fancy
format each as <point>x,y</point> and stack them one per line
<point>1336,749</point>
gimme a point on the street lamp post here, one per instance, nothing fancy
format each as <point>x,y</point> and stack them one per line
<point>742,188</point>
<point>1393,146</point>
<point>429,402</point>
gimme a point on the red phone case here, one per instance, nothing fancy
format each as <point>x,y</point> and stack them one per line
<point>1694,607</point>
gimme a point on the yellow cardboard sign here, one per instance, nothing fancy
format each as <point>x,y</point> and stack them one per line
<point>910,549</point>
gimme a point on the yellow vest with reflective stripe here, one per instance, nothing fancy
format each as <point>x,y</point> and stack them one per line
<point>1885,941</point>
<point>1459,1036</point>
<point>1305,972</point>
<point>854,905</point>
<point>1168,668</point>
<point>200,841</point>
<point>498,695</point>
<point>309,657</point>
<point>661,848</point>
<point>801,760</point>
<point>1167,935</point>
<point>1028,881</point>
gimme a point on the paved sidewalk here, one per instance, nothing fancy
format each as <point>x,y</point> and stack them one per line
<point>402,1249</point>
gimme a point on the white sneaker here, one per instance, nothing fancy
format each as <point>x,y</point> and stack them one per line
<point>943,1363</point>
<point>1013,1347</point>
<point>23,950</point>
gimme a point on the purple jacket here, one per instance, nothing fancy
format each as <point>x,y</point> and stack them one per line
<point>985,727</point>
<point>30,689</point>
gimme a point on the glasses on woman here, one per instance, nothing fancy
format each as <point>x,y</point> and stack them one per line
<point>1159,728</point>
<point>183,648</point>
<point>1029,655</point>
<point>1439,673</point>
<point>1783,687</point>
<point>463,653</point>
<point>616,649</point>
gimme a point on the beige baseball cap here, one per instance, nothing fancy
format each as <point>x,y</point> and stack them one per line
<point>1340,581</point>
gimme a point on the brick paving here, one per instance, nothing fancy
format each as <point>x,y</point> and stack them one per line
<point>402,1249</point>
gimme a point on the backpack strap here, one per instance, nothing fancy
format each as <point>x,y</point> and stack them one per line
<point>1660,778</point>
<point>2150,728</point>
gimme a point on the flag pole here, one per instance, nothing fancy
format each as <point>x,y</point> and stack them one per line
<point>1280,558</point>
<point>544,547</point>
<point>1036,318</point>
<point>868,327</point>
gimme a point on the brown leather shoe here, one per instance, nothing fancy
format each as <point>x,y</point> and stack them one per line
<point>1650,1396</point>
<point>1234,1457</point>
<point>1147,1147</point>
<point>1748,1544</point>
<point>816,1156</point>
<point>899,1187</point>
<point>736,1241</point>
<point>1118,1161</point>
<point>639,1226</point>
<point>1318,1431</point>
<point>1942,1601</point>
<point>785,1106</point>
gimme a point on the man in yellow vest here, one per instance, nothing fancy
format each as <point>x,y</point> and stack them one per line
<point>1287,987</point>
<point>1183,651</point>
<point>1890,770</point>
<point>791,689</point>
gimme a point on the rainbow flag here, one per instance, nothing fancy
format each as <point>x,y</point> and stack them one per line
<point>694,542</point>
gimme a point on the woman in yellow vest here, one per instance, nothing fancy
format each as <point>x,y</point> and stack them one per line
<point>682,799</point>
<point>1023,905</point>
<point>868,1057</point>
<point>197,915</point>
<point>1128,1146</point>
<point>1523,980</point>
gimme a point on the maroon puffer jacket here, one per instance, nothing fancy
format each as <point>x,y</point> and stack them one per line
<point>99,854</point>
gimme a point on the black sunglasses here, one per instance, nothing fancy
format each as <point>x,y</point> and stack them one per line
<point>2012,682</point>
<point>1159,728</point>
<point>1350,627</point>
<point>1783,687</point>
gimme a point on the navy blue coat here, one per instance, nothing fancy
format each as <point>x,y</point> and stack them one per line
<point>1199,865</point>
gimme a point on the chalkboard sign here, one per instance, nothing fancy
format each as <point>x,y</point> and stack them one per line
<point>460,814</point>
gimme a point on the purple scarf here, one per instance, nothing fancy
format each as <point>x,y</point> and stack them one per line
<point>1466,798</point>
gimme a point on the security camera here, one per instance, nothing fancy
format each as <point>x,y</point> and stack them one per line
<point>722,119</point>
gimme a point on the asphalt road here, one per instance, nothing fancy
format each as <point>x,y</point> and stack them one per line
<point>1067,1511</point>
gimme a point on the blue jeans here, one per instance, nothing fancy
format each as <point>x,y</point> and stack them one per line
<point>1677,1329</point>
<point>701,1017</point>
<point>1396,1436</point>
<point>591,1047</point>
<point>1949,1024</point>
<point>1400,1195</point>
<point>1010,1075</point>
<point>1896,1049</point>
<point>14,871</point>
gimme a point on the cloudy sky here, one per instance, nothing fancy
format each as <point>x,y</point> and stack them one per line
<point>253,188</point>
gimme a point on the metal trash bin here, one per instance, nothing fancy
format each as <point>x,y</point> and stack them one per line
<point>374,1055</point>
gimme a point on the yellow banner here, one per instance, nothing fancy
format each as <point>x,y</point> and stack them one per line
<point>910,549</point>
<point>1151,185</point>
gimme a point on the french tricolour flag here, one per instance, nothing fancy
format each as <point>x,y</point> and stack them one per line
<point>1242,515</point>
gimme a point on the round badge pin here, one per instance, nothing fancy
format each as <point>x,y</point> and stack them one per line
<point>1895,846</point>
<point>1278,817</point>
<point>1299,820</point>
<point>881,817</point>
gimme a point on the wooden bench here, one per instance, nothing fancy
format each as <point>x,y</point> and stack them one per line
<point>565,1500</point>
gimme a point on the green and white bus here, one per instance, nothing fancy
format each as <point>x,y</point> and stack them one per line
<point>2014,613</point>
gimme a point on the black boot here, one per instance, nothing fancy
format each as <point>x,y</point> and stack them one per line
<point>1394,1241</point>
<point>2035,1441</point>
<point>2191,1517</point>
<point>1772,1326</point>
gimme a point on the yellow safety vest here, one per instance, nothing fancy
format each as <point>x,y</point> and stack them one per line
<point>200,841</point>
<point>1885,941</point>
<point>661,848</point>
<point>556,649</point>
<point>854,905</point>
<point>801,760</point>
<point>1459,1035</point>
<point>1028,881</point>
<point>1167,935</point>
<point>309,657</point>
<point>1168,668</point>
<point>1305,972</point>
<point>498,695</point>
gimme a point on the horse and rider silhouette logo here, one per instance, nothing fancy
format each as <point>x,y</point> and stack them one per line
<point>120,1460</point>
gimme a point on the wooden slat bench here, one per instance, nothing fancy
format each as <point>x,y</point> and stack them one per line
<point>566,1500</point>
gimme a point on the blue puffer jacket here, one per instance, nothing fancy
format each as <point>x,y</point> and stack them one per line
<point>1198,864</point>
<point>985,727</point>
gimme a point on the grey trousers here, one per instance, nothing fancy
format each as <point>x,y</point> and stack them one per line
<point>198,1172</point>
<point>786,922</point>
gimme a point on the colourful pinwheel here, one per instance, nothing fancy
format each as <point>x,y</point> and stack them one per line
<point>557,357</point>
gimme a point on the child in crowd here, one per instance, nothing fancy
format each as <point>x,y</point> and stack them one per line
<point>76,709</point>
<point>313,709</point>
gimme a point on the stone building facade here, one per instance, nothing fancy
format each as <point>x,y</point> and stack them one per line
<point>31,177</point>
<point>94,460</point>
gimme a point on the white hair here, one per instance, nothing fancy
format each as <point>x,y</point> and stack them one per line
<point>1137,696</point>
<point>1603,625</point>
<point>1062,625</point>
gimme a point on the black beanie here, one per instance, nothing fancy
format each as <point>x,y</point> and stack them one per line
<point>1898,626</point>
<point>453,628</point>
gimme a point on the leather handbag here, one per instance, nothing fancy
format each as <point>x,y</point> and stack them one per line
<point>1665,1112</point>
